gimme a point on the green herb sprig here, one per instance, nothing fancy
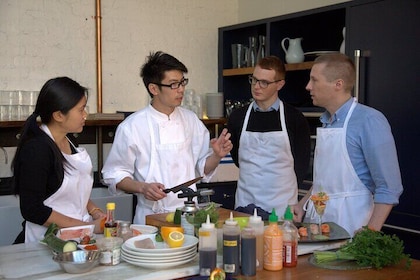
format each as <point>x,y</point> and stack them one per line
<point>369,248</point>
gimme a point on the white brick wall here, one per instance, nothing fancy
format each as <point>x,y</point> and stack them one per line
<point>41,39</point>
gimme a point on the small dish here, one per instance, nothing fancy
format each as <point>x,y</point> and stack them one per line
<point>143,229</point>
<point>76,233</point>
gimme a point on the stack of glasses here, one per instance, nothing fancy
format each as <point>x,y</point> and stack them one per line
<point>17,105</point>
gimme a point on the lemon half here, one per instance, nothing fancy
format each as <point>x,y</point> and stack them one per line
<point>175,239</point>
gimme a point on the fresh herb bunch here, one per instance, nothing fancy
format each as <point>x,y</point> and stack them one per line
<point>201,215</point>
<point>369,248</point>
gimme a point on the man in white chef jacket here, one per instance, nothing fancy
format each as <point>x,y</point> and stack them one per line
<point>162,145</point>
<point>355,160</point>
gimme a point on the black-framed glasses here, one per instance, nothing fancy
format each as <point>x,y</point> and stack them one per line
<point>263,83</point>
<point>175,85</point>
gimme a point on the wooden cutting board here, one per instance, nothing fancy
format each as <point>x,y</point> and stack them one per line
<point>159,220</point>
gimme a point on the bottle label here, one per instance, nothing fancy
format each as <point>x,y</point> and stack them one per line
<point>229,268</point>
<point>230,243</point>
<point>110,232</point>
<point>204,233</point>
<point>188,227</point>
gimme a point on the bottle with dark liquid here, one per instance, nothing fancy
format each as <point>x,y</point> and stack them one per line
<point>248,252</point>
<point>207,247</point>
<point>231,243</point>
<point>110,229</point>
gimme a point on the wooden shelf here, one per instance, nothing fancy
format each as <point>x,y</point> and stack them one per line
<point>249,70</point>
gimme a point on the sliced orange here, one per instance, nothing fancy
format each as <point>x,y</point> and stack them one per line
<point>166,230</point>
<point>175,239</point>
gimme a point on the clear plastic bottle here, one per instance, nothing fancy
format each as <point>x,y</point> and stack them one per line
<point>273,244</point>
<point>231,243</point>
<point>290,240</point>
<point>110,228</point>
<point>207,247</point>
<point>248,252</point>
<point>257,224</point>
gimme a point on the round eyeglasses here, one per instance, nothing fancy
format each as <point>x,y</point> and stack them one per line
<point>175,85</point>
<point>263,83</point>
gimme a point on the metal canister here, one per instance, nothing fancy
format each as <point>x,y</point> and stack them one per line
<point>187,217</point>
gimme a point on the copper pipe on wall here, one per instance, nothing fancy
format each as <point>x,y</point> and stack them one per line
<point>98,56</point>
<point>99,85</point>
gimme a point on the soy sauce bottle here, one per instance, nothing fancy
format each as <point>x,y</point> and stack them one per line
<point>231,243</point>
<point>110,229</point>
<point>207,247</point>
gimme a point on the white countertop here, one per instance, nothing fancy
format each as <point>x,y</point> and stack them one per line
<point>34,261</point>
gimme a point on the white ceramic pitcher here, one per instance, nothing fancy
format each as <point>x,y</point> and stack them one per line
<point>294,54</point>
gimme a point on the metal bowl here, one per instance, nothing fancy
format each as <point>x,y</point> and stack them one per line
<point>77,261</point>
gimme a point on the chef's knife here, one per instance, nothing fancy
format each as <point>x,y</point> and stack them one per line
<point>183,185</point>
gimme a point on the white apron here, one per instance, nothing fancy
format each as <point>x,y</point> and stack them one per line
<point>73,195</point>
<point>171,160</point>
<point>266,168</point>
<point>351,203</point>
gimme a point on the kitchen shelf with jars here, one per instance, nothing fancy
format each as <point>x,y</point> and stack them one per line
<point>296,38</point>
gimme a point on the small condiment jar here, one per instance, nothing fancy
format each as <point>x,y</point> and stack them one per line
<point>124,230</point>
<point>110,248</point>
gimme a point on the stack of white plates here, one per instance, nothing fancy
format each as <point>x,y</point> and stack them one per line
<point>162,256</point>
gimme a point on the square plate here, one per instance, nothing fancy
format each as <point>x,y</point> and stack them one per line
<point>336,233</point>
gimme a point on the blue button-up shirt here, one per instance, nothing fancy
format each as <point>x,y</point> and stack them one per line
<point>371,149</point>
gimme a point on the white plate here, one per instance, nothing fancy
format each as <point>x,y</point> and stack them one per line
<point>157,256</point>
<point>79,232</point>
<point>144,229</point>
<point>162,259</point>
<point>318,53</point>
<point>158,265</point>
<point>160,247</point>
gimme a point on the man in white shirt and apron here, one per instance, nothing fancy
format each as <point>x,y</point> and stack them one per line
<point>162,145</point>
<point>355,160</point>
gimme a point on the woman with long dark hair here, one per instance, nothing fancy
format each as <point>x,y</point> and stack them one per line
<point>52,176</point>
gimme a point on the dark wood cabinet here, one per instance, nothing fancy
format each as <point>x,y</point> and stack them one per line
<point>386,32</point>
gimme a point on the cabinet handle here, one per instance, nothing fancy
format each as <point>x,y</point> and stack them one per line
<point>226,195</point>
<point>357,68</point>
<point>358,54</point>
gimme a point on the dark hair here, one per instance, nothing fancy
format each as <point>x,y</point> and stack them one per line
<point>273,63</point>
<point>58,94</point>
<point>153,70</point>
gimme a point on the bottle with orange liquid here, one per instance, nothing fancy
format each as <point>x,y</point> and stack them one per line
<point>273,244</point>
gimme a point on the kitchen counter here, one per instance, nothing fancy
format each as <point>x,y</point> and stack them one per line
<point>34,261</point>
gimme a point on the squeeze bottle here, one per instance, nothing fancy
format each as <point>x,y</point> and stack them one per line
<point>207,247</point>
<point>273,244</point>
<point>290,240</point>
<point>231,243</point>
<point>248,252</point>
<point>257,224</point>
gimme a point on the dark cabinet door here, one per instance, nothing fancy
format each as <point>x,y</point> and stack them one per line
<point>387,33</point>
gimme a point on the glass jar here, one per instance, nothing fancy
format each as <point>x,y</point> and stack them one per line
<point>124,230</point>
<point>110,248</point>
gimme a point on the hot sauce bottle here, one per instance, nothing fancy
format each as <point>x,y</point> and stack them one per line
<point>290,240</point>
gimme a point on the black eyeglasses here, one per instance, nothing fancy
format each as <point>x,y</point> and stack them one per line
<point>175,85</point>
<point>263,83</point>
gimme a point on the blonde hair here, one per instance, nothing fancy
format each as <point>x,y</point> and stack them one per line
<point>338,66</point>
